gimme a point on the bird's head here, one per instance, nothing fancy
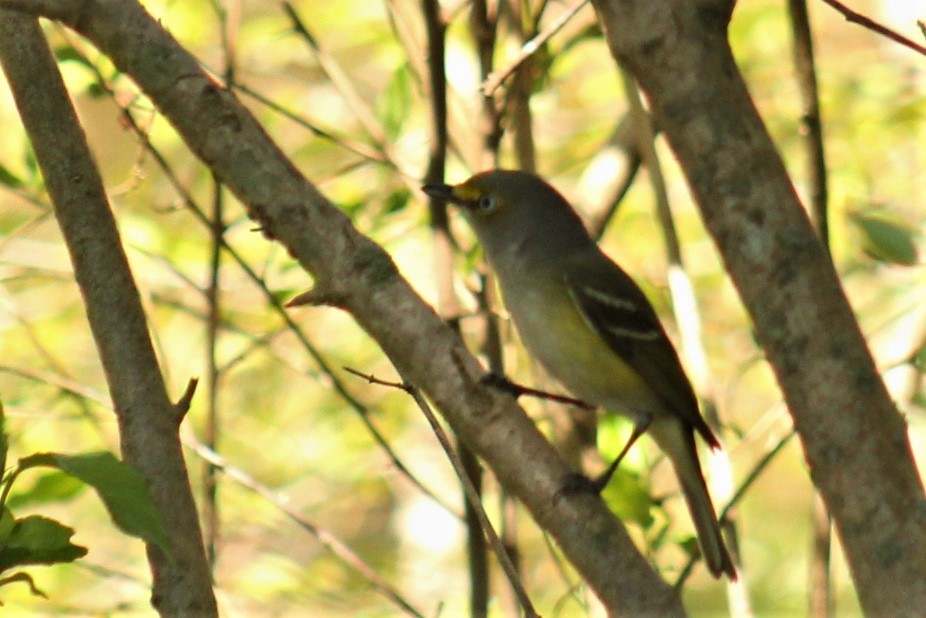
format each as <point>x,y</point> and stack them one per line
<point>511,209</point>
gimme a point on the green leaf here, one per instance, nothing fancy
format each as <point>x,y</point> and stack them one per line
<point>9,179</point>
<point>4,442</point>
<point>885,237</point>
<point>397,200</point>
<point>121,487</point>
<point>39,540</point>
<point>690,546</point>
<point>626,494</point>
<point>67,53</point>
<point>393,105</point>
<point>51,487</point>
<point>7,523</point>
<point>628,497</point>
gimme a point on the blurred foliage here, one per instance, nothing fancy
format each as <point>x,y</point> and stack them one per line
<point>364,141</point>
<point>27,541</point>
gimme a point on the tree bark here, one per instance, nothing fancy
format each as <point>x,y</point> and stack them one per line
<point>854,440</point>
<point>148,421</point>
<point>357,275</point>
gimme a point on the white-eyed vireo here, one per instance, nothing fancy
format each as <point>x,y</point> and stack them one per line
<point>589,324</point>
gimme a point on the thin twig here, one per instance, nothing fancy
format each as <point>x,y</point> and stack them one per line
<point>190,203</point>
<point>483,28</point>
<point>342,82</point>
<point>620,156</point>
<point>229,20</point>
<point>471,494</point>
<point>865,22</point>
<point>754,474</point>
<point>810,117</point>
<point>495,79</point>
<point>313,352</point>
<point>820,598</point>
<point>326,538</point>
<point>186,399</point>
<point>358,148</point>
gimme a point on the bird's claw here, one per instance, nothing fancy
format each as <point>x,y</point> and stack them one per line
<point>576,483</point>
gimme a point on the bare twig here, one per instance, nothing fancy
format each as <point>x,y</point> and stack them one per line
<point>495,79</point>
<point>191,204</point>
<point>470,491</point>
<point>820,596</point>
<point>229,20</point>
<point>336,546</point>
<point>866,22</point>
<point>609,175</point>
<point>820,589</point>
<point>186,399</point>
<point>358,148</point>
<point>342,82</point>
<point>811,120</point>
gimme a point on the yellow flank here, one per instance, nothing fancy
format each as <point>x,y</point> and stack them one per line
<point>570,348</point>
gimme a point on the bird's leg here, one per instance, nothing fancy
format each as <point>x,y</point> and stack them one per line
<point>600,482</point>
<point>578,483</point>
<point>502,383</point>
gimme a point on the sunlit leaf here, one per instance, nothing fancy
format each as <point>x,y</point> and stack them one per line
<point>626,493</point>
<point>397,200</point>
<point>393,105</point>
<point>9,179</point>
<point>50,487</point>
<point>628,497</point>
<point>121,487</point>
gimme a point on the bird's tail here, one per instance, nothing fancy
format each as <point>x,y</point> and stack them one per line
<point>677,441</point>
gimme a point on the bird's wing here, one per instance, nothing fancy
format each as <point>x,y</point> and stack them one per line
<point>616,308</point>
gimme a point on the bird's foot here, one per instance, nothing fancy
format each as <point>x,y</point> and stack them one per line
<point>502,383</point>
<point>576,483</point>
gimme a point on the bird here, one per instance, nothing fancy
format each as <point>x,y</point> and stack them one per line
<point>587,322</point>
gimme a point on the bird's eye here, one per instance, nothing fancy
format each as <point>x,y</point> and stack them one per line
<point>485,203</point>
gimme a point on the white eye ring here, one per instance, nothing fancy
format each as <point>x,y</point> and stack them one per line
<point>485,203</point>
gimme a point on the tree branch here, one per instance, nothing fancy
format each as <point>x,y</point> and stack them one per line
<point>356,274</point>
<point>147,419</point>
<point>857,18</point>
<point>854,440</point>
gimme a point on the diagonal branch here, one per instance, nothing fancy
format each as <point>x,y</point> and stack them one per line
<point>354,273</point>
<point>857,18</point>
<point>854,440</point>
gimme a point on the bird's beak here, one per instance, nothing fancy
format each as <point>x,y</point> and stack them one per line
<point>440,191</point>
<point>461,195</point>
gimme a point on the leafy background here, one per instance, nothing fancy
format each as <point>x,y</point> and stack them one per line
<point>285,423</point>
